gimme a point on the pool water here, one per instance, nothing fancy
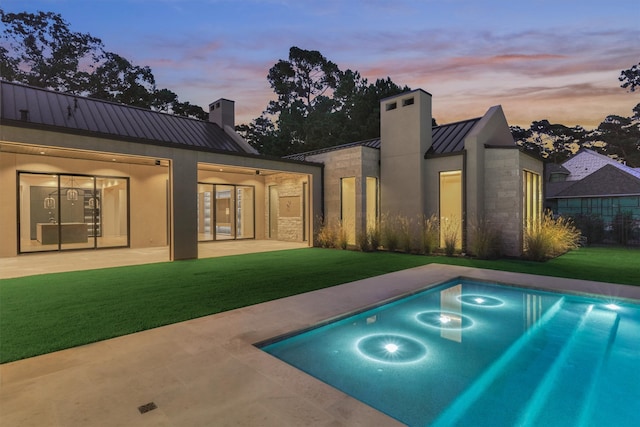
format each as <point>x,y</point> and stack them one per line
<point>469,353</point>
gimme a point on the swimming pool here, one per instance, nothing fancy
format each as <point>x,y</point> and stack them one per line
<point>480,354</point>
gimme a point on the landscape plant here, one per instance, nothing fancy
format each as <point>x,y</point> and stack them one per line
<point>389,230</point>
<point>430,234</point>
<point>550,237</point>
<point>450,236</point>
<point>486,240</point>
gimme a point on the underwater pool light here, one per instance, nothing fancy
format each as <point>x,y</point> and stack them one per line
<point>613,306</point>
<point>479,300</point>
<point>445,319</point>
<point>391,348</point>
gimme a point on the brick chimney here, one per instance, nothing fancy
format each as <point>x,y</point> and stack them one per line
<point>222,113</point>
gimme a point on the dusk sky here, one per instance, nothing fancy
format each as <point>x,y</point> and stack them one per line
<point>540,59</point>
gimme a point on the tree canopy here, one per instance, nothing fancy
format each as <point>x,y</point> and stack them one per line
<point>617,137</point>
<point>318,105</point>
<point>40,49</point>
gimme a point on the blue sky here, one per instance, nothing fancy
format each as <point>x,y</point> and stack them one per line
<point>540,59</point>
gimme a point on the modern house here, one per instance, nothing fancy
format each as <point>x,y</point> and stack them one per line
<point>80,173</point>
<point>464,173</point>
<point>593,185</point>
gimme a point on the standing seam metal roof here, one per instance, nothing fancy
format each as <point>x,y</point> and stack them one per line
<point>449,138</point>
<point>76,113</point>
<point>446,139</point>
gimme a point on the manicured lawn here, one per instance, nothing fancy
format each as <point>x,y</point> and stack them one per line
<point>41,314</point>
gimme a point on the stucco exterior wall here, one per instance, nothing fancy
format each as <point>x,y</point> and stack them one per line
<point>406,135</point>
<point>432,189</point>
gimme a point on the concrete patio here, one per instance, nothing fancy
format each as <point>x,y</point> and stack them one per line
<point>207,371</point>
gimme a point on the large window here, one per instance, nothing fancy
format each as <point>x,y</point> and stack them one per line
<point>348,208</point>
<point>451,208</point>
<point>225,212</point>
<point>532,203</point>
<point>64,211</point>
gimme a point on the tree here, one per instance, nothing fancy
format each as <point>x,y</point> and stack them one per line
<point>40,50</point>
<point>619,137</point>
<point>317,106</point>
<point>630,78</point>
<point>44,52</point>
<point>302,81</point>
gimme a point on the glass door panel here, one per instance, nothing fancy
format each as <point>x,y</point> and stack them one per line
<point>74,230</point>
<point>110,206</point>
<point>245,221</point>
<point>224,223</point>
<point>38,206</point>
<point>205,212</point>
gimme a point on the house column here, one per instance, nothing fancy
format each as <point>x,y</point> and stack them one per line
<point>184,205</point>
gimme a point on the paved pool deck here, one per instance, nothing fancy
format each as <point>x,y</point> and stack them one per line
<point>207,371</point>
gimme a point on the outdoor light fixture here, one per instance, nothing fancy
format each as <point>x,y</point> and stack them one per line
<point>391,348</point>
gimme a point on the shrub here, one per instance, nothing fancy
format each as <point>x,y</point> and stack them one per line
<point>450,237</point>
<point>389,232</point>
<point>430,234</point>
<point>550,237</point>
<point>405,233</point>
<point>373,236</point>
<point>487,240</point>
<point>363,242</point>
<point>343,236</point>
<point>327,236</point>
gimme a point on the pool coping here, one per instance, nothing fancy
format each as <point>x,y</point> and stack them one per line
<point>208,370</point>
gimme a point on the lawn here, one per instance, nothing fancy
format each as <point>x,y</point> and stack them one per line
<point>41,314</point>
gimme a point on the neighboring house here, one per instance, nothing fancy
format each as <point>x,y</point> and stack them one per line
<point>593,185</point>
<point>80,173</point>
<point>464,173</point>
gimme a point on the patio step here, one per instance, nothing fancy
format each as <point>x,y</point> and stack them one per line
<point>516,388</point>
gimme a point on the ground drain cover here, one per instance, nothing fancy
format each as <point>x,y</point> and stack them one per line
<point>146,408</point>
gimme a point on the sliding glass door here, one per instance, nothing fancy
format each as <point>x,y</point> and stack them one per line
<point>60,212</point>
<point>225,212</point>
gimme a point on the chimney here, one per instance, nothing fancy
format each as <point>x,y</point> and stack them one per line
<point>405,134</point>
<point>222,113</point>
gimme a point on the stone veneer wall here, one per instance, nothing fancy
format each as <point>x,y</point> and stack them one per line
<point>503,196</point>
<point>359,162</point>
<point>290,229</point>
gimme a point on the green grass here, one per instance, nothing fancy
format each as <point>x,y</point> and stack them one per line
<point>41,314</point>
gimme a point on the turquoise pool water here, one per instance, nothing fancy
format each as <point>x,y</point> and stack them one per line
<point>470,353</point>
